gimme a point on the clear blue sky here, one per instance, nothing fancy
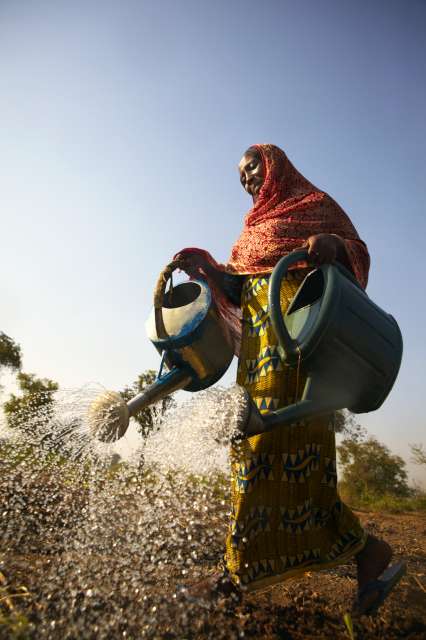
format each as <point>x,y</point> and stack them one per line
<point>121,127</point>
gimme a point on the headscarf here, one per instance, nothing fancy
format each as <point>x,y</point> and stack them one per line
<point>289,209</point>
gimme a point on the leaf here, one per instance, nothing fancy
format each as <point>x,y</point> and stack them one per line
<point>349,625</point>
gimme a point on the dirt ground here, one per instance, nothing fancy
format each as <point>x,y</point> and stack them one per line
<point>312,607</point>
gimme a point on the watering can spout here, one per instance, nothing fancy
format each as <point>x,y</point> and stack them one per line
<point>109,414</point>
<point>312,403</point>
<point>172,381</point>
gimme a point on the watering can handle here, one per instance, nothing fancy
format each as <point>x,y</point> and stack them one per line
<point>290,345</point>
<point>159,291</point>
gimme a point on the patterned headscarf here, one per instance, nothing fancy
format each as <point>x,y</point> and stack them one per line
<point>288,210</point>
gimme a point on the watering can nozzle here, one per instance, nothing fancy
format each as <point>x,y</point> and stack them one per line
<point>109,414</point>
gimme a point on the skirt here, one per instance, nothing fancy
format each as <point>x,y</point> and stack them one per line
<point>286,514</point>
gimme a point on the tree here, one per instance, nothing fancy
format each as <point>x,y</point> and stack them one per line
<point>370,469</point>
<point>146,417</point>
<point>34,408</point>
<point>10,353</point>
<point>348,427</point>
<point>419,454</point>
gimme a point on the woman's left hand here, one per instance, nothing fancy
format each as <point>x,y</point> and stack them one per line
<point>325,248</point>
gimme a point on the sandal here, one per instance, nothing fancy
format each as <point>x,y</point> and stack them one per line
<point>382,586</point>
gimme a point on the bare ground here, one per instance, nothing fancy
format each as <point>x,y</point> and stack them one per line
<point>312,607</point>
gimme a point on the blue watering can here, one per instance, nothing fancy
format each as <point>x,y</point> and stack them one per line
<point>193,341</point>
<point>348,348</point>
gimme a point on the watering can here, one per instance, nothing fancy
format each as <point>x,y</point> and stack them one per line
<point>348,348</point>
<point>195,345</point>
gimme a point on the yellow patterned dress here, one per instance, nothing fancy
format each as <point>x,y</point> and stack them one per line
<point>286,516</point>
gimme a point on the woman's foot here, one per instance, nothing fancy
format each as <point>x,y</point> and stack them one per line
<point>372,561</point>
<point>218,585</point>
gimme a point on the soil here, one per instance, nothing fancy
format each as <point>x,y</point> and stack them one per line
<point>311,607</point>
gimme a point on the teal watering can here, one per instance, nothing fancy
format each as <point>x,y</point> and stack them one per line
<point>348,348</point>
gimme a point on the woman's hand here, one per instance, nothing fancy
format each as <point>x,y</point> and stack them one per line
<point>325,248</point>
<point>192,263</point>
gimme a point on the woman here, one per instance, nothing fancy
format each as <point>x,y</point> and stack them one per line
<point>287,517</point>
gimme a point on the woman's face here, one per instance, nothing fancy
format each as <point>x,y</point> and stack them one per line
<point>251,172</point>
